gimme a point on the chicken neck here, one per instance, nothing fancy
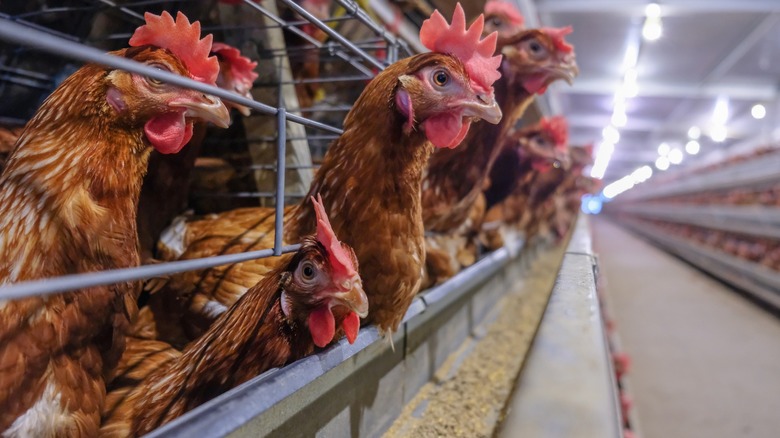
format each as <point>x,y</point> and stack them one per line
<point>455,177</point>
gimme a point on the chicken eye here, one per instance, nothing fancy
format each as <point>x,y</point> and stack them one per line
<point>441,78</point>
<point>153,81</point>
<point>495,21</point>
<point>307,271</point>
<point>536,48</point>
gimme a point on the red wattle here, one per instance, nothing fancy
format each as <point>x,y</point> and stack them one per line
<point>351,326</point>
<point>536,84</point>
<point>446,130</point>
<point>322,325</point>
<point>169,132</point>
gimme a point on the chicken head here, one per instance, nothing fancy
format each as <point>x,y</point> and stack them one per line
<point>322,288</point>
<point>537,57</point>
<point>166,112</point>
<point>453,85</point>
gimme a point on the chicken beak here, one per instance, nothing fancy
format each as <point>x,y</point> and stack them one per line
<point>484,107</point>
<point>207,108</point>
<point>352,296</point>
<point>567,69</point>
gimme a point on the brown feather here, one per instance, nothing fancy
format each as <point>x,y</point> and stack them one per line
<point>370,184</point>
<point>68,198</point>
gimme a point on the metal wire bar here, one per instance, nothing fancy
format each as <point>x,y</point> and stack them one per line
<point>80,281</point>
<point>317,81</point>
<point>354,9</point>
<point>331,33</point>
<point>281,145</point>
<point>123,9</point>
<point>309,38</point>
<point>238,195</point>
<point>39,27</point>
<point>25,35</point>
<point>273,167</point>
<point>26,73</point>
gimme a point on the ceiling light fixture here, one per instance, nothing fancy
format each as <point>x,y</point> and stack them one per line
<point>694,133</point>
<point>692,147</point>
<point>600,163</point>
<point>721,113</point>
<point>662,163</point>
<point>758,111</point>
<point>663,149</point>
<point>630,88</point>
<point>675,156</point>
<point>611,134</point>
<point>718,133</point>
<point>653,28</point>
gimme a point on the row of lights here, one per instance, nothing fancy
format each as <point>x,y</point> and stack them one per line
<point>627,182</point>
<point>651,31</point>
<point>718,133</point>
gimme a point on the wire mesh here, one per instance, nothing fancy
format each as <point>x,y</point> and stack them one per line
<point>83,31</point>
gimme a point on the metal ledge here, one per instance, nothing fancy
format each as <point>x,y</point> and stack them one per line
<point>760,281</point>
<point>358,389</point>
<point>753,172</point>
<point>755,220</point>
<point>567,387</point>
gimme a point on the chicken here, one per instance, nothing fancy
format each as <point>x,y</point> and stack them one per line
<point>166,187</point>
<point>504,18</point>
<point>67,205</point>
<point>526,157</point>
<point>299,305</point>
<point>370,182</point>
<point>455,179</point>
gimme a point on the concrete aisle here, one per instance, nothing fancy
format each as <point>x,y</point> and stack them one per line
<point>706,362</point>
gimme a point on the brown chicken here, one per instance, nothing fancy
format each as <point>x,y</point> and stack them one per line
<point>299,305</point>
<point>370,182</point>
<point>67,205</point>
<point>166,187</point>
<point>503,18</point>
<point>454,180</point>
<point>525,155</point>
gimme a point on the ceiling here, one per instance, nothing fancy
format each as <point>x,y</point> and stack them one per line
<point>708,48</point>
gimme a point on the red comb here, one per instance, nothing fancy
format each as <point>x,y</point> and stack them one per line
<point>498,7</point>
<point>557,128</point>
<point>340,261</point>
<point>183,40</point>
<point>465,44</point>
<point>242,68</point>
<point>557,34</point>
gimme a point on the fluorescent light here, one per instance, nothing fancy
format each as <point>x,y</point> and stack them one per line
<point>601,162</point>
<point>694,133</point>
<point>642,174</point>
<point>630,88</point>
<point>718,133</point>
<point>653,10</point>
<point>662,163</point>
<point>653,29</point>
<point>619,118</point>
<point>631,56</point>
<point>692,147</point>
<point>611,134</point>
<point>627,182</point>
<point>758,111</point>
<point>675,156</point>
<point>618,187</point>
<point>663,149</point>
<point>721,113</point>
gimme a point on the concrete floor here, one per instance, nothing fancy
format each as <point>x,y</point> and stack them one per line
<point>706,361</point>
